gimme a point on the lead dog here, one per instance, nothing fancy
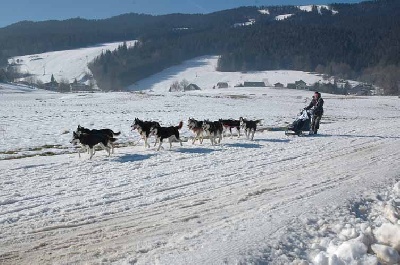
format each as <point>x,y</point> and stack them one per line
<point>229,124</point>
<point>197,127</point>
<point>249,126</point>
<point>144,128</point>
<point>110,133</point>
<point>90,140</point>
<point>214,130</point>
<point>171,133</point>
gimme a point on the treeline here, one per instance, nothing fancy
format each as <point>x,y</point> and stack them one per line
<point>29,37</point>
<point>360,42</point>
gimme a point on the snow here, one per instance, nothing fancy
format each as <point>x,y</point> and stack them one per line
<point>274,200</point>
<point>386,254</point>
<point>245,24</point>
<point>15,88</point>
<point>264,11</point>
<point>389,234</point>
<point>283,17</point>
<point>202,72</point>
<point>309,8</point>
<point>66,64</point>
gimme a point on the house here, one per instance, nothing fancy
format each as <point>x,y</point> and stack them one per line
<point>254,84</point>
<point>291,85</point>
<point>300,85</point>
<point>77,87</point>
<point>191,87</point>
<point>278,85</point>
<point>362,90</point>
<point>222,85</point>
<point>51,86</point>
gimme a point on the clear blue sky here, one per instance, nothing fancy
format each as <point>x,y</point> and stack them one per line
<point>12,11</point>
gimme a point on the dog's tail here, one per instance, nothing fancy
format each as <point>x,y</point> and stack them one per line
<point>180,125</point>
<point>116,134</point>
<point>259,121</point>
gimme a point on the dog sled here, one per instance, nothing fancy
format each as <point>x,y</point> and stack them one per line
<point>301,124</point>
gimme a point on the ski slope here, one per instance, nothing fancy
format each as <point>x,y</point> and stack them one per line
<point>66,64</point>
<point>202,72</point>
<point>274,200</point>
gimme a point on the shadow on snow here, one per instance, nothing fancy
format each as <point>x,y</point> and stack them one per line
<point>197,150</point>
<point>132,158</point>
<point>273,140</point>
<point>243,145</point>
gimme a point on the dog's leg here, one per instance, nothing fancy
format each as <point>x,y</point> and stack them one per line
<point>146,144</point>
<point>180,141</point>
<point>107,148</point>
<point>159,146</point>
<point>238,130</point>
<point>91,153</point>
<point>170,142</point>
<point>195,137</point>
<point>252,136</point>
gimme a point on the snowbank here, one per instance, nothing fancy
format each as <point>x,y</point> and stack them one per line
<point>377,238</point>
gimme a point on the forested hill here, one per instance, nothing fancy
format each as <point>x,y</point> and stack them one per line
<point>350,40</point>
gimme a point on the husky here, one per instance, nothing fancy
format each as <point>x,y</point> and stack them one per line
<point>110,133</point>
<point>214,130</point>
<point>162,133</point>
<point>90,140</point>
<point>249,127</point>
<point>197,127</point>
<point>144,128</point>
<point>229,124</point>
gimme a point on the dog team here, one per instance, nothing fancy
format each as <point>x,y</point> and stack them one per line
<point>214,130</point>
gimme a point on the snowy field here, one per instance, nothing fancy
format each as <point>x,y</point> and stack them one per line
<point>66,64</point>
<point>202,72</point>
<point>274,200</point>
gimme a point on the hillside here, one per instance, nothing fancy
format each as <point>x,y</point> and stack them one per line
<point>202,72</point>
<point>352,41</point>
<point>66,65</point>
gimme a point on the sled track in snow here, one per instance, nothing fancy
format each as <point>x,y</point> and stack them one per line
<point>268,181</point>
<point>196,204</point>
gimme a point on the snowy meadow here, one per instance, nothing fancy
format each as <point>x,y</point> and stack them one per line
<point>325,199</point>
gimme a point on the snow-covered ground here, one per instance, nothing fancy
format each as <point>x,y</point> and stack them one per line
<point>202,72</point>
<point>309,8</point>
<point>66,64</point>
<point>273,200</point>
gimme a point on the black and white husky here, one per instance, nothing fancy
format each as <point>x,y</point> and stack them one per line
<point>229,124</point>
<point>249,127</point>
<point>88,141</point>
<point>214,130</point>
<point>171,133</point>
<point>108,132</point>
<point>144,128</point>
<point>197,127</point>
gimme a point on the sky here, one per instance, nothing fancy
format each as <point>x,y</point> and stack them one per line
<point>13,11</point>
